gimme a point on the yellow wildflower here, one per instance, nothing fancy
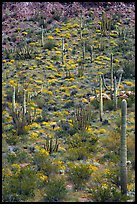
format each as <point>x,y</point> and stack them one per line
<point>50,37</point>
<point>24,33</point>
<point>12,60</point>
<point>93,168</point>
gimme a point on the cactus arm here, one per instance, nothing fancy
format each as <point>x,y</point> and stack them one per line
<point>104,83</point>
<point>123,152</point>
<point>120,77</point>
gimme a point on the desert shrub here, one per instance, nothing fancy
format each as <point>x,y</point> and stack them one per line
<point>129,69</point>
<point>109,105</point>
<point>18,183</point>
<point>24,51</point>
<point>78,153</point>
<point>11,157</point>
<point>49,44</point>
<point>12,139</point>
<point>107,193</point>
<point>79,174</point>
<point>42,161</point>
<point>40,101</point>
<point>55,189</point>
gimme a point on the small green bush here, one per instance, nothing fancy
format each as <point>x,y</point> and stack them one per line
<point>79,174</point>
<point>49,44</point>
<point>55,189</point>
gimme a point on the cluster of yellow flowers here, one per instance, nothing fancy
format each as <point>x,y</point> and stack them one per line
<point>42,177</point>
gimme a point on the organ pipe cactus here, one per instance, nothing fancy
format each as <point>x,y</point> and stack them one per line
<point>51,145</point>
<point>101,99</point>
<point>82,117</point>
<point>123,148</point>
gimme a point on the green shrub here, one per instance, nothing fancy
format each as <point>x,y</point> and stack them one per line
<point>79,174</point>
<point>49,44</point>
<point>78,153</point>
<point>55,189</point>
<point>18,183</point>
<point>107,193</point>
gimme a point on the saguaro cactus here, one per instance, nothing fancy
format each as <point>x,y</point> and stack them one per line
<point>91,53</point>
<point>112,86</point>
<point>123,152</point>
<point>115,93</point>
<point>13,99</point>
<point>24,102</point>
<point>83,51</point>
<point>81,24</point>
<point>101,99</point>
<point>42,36</point>
<point>63,50</point>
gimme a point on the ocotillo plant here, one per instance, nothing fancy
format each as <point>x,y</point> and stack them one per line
<point>101,99</point>
<point>123,148</point>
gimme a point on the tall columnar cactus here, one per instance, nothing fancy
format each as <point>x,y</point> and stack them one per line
<point>81,24</point>
<point>42,36</point>
<point>13,99</point>
<point>24,102</point>
<point>111,61</point>
<point>91,53</point>
<point>101,99</point>
<point>123,148</point>
<point>63,50</point>
<point>83,51</point>
<point>115,93</point>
